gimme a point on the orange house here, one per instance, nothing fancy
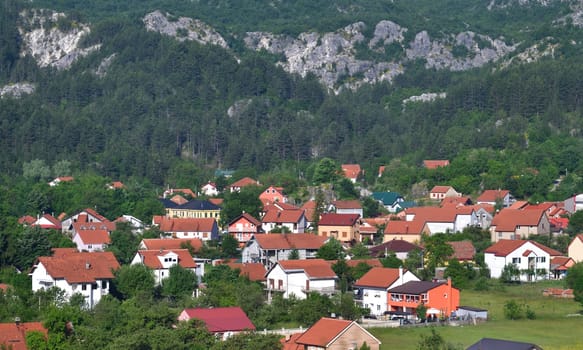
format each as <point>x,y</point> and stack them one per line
<point>440,299</point>
<point>273,195</point>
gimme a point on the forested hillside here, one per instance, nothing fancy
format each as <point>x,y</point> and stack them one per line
<point>149,105</point>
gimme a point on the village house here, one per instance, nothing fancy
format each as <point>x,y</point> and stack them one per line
<point>194,244</point>
<point>136,224</point>
<point>205,229</point>
<point>434,164</point>
<point>268,249</point>
<point>352,172</point>
<point>370,291</point>
<point>88,274</point>
<point>294,220</point>
<point>115,185</point>
<point>346,207</point>
<point>439,299</point>
<point>239,184</point>
<point>519,224</point>
<point>409,231</point>
<point>439,193</point>
<point>209,189</point>
<point>400,247</point>
<point>389,200</point>
<point>343,227</point>
<point>575,249</point>
<point>91,240</point>
<point>272,195</point>
<point>443,220</point>
<point>532,259</point>
<point>223,322</point>
<point>253,271</point>
<point>332,334</point>
<point>559,266</point>
<point>182,192</point>
<point>160,261</point>
<point>198,209</point>
<point>463,251</point>
<point>496,197</point>
<point>61,179</point>
<point>13,334</point>
<point>301,277</point>
<point>243,227</point>
<point>87,218</point>
<point>45,222</point>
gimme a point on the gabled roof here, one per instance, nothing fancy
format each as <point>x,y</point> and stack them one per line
<point>402,227</point>
<point>327,330</point>
<point>490,196</point>
<point>378,277</point>
<point>499,344</point>
<point>508,219</point>
<point>309,209</point>
<point>332,219</point>
<point>394,245</point>
<point>347,204</point>
<point>506,246</point>
<point>415,287</point>
<point>188,225</point>
<point>248,217</point>
<point>26,220</point>
<point>388,198</point>
<point>81,267</point>
<point>222,319</point>
<point>253,271</point>
<point>463,250</point>
<point>151,258</point>
<point>456,201</point>
<point>441,189</point>
<point>290,342</point>
<point>170,243</point>
<point>94,236</point>
<point>13,335</point>
<point>283,216</point>
<point>561,262</point>
<point>47,221</point>
<point>289,241</point>
<point>246,181</point>
<point>313,268</point>
<point>351,171</point>
<point>434,164</point>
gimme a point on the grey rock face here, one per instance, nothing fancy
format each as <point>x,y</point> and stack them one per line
<point>386,33</point>
<point>183,28</point>
<point>16,90</point>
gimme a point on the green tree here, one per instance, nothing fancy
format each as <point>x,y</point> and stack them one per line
<point>575,223</point>
<point>434,341</point>
<point>437,250</point>
<point>359,251</point>
<point>574,280</point>
<point>250,341</point>
<point>229,246</point>
<point>294,255</point>
<point>36,340</point>
<point>36,170</point>
<point>513,310</point>
<point>326,171</point>
<point>31,244</point>
<point>392,261</point>
<point>180,282</point>
<point>124,243</point>
<point>244,201</point>
<point>331,250</point>
<point>134,280</point>
<point>510,273</point>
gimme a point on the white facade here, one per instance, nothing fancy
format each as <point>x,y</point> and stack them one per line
<point>375,299</point>
<point>82,246</point>
<point>92,292</point>
<point>527,256</point>
<point>297,283</point>
<point>166,262</point>
<point>254,253</point>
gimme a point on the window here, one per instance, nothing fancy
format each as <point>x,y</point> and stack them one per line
<point>103,284</point>
<point>344,234</point>
<point>541,259</point>
<point>83,286</point>
<point>516,260</point>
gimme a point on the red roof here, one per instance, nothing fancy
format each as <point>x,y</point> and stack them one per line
<point>490,196</point>
<point>283,216</point>
<point>289,342</point>
<point>402,227</point>
<point>434,164</point>
<point>26,220</point>
<point>80,267</point>
<point>221,319</point>
<point>187,225</point>
<point>152,258</point>
<point>440,189</point>
<point>508,219</point>
<point>47,221</point>
<point>351,204</point>
<point>171,243</point>
<point>314,268</point>
<point>246,181</point>
<point>94,236</point>
<point>332,219</point>
<point>216,201</point>
<point>253,271</point>
<point>351,171</point>
<point>13,335</point>
<point>248,217</point>
<point>506,246</point>
<point>290,241</point>
<point>82,225</point>
<point>117,185</point>
<point>463,250</point>
<point>323,332</point>
<point>382,170</point>
<point>378,277</point>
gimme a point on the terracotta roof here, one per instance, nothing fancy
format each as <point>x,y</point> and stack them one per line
<point>382,170</point>
<point>518,205</point>
<point>289,342</point>
<point>80,267</point>
<point>217,201</point>
<point>279,206</point>
<point>290,241</point>
<point>434,164</point>
<point>84,225</point>
<point>246,181</point>
<point>116,185</point>
<point>378,277</point>
<point>178,199</point>
<point>351,171</point>
<point>283,216</point>
<point>369,262</point>
<point>561,262</point>
<point>349,204</point>
<point>253,271</point>
<point>14,335</point>
<point>63,251</point>
<point>402,227</point>
<point>506,246</point>
<point>314,268</point>
<point>394,245</point>
<point>323,332</point>
<point>247,217</point>
<point>48,221</point>
<point>331,219</point>
<point>463,250</point>
<point>222,319</point>
<point>94,236</point>
<point>95,214</point>
<point>170,243</point>
<point>4,287</point>
<point>456,201</point>
<point>491,196</point>
<point>188,224</point>
<point>26,220</point>
<point>440,189</point>
<point>151,258</point>
<point>508,219</point>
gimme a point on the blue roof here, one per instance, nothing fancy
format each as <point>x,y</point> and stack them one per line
<point>193,205</point>
<point>388,198</point>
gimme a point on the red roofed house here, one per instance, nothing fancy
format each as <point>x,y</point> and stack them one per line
<point>463,251</point>
<point>244,227</point>
<point>253,271</point>
<point>294,219</point>
<point>300,277</point>
<point>13,335</point>
<point>160,261</point>
<point>170,243</point>
<point>371,289</point>
<point>560,265</point>
<point>272,195</point>
<point>343,227</point>
<point>60,179</point>
<point>172,191</point>
<point>532,259</point>
<point>346,207</point>
<point>352,171</point>
<point>493,197</point>
<point>268,249</point>
<point>440,299</point>
<point>434,164</point>
<point>441,192</point>
<point>91,240</point>
<point>400,247</point>
<point>48,222</point>
<point>334,334</point>
<point>221,321</point>
<point>202,228</point>
<point>115,185</point>
<point>89,274</point>
<point>239,184</point>
<point>575,249</point>
<point>89,217</point>
<point>409,231</point>
<point>382,169</point>
<point>519,224</point>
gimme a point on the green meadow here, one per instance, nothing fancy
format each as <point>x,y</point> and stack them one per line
<point>558,323</point>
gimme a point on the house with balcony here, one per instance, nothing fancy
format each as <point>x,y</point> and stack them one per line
<point>439,299</point>
<point>301,277</point>
<point>243,227</point>
<point>268,249</point>
<point>343,227</point>
<point>160,261</point>
<point>371,290</point>
<point>88,274</point>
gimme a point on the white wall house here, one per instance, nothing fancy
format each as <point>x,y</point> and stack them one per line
<point>88,274</point>
<point>268,249</point>
<point>301,277</point>
<point>525,255</point>
<point>160,261</point>
<point>91,240</point>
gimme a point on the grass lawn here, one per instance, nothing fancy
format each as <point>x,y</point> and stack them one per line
<point>552,329</point>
